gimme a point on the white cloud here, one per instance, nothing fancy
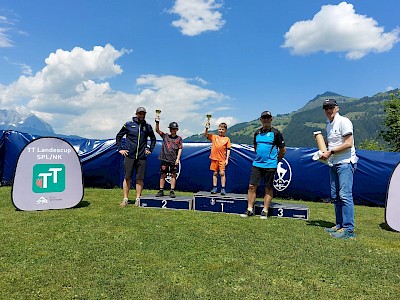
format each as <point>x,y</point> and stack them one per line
<point>5,40</point>
<point>197,16</point>
<point>228,120</point>
<point>337,28</point>
<point>71,94</point>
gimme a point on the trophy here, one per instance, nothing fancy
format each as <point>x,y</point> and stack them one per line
<point>208,121</point>
<point>158,111</point>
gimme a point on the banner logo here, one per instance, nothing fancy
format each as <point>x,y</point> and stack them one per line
<point>48,178</point>
<point>283,175</point>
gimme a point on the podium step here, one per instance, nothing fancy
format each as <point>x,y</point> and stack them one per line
<point>229,203</point>
<point>286,210</point>
<point>152,201</point>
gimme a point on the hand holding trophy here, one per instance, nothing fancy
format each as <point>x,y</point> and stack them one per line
<point>208,121</point>
<point>158,111</point>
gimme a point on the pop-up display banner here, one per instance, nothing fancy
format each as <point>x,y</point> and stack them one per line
<point>392,211</point>
<point>48,175</point>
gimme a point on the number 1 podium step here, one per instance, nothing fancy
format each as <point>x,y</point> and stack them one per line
<point>229,203</point>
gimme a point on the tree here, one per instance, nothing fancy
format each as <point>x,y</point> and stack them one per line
<point>391,122</point>
<point>371,145</point>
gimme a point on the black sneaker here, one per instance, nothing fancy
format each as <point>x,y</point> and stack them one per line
<point>160,193</point>
<point>264,215</point>
<point>247,214</point>
<point>172,194</point>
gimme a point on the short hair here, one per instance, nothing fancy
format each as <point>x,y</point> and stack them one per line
<point>223,125</point>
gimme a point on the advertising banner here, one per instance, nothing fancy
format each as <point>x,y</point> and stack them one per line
<point>48,175</point>
<point>392,211</point>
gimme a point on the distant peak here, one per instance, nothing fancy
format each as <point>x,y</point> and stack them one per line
<point>328,94</point>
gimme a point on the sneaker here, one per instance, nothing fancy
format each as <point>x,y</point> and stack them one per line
<point>214,191</point>
<point>160,193</point>
<point>172,194</point>
<point>137,201</point>
<point>264,215</point>
<point>331,229</point>
<point>223,192</point>
<point>343,234</point>
<point>247,213</point>
<point>124,202</point>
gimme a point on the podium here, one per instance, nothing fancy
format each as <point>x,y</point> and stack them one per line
<point>230,203</point>
<point>166,202</point>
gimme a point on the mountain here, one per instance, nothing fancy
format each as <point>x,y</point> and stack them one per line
<point>12,120</point>
<point>297,127</point>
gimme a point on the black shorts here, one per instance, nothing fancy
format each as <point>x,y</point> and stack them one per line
<point>138,165</point>
<point>259,174</point>
<point>168,167</point>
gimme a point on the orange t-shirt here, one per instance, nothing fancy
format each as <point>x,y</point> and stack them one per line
<point>219,146</point>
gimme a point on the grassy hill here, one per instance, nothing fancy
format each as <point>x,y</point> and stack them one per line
<point>297,127</point>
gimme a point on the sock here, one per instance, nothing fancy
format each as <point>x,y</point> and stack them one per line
<point>250,209</point>
<point>265,210</point>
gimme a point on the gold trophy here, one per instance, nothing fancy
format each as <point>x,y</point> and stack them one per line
<point>208,121</point>
<point>158,111</point>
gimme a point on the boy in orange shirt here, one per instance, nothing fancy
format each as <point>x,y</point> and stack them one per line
<point>220,152</point>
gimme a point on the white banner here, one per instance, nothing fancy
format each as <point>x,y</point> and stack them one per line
<point>48,176</point>
<point>392,212</point>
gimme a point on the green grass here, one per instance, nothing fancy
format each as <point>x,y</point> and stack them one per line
<point>102,251</point>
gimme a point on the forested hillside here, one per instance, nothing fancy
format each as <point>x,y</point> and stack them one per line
<point>297,127</point>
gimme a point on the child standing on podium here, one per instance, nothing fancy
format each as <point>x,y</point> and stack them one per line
<point>220,152</point>
<point>170,156</point>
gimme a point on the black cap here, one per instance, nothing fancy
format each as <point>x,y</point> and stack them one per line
<point>140,109</point>
<point>329,103</point>
<point>173,125</point>
<point>266,114</point>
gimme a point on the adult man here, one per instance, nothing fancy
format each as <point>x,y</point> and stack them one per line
<point>137,133</point>
<point>270,148</point>
<point>343,162</point>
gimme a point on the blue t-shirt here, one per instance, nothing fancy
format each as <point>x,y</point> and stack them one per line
<point>267,144</point>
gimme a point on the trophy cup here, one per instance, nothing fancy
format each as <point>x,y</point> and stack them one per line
<point>158,111</point>
<point>208,121</point>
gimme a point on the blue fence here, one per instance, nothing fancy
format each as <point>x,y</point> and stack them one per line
<point>300,176</point>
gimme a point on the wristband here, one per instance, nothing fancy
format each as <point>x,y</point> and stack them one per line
<point>332,151</point>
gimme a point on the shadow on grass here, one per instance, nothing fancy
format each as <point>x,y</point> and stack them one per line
<point>82,204</point>
<point>320,223</point>
<point>385,226</point>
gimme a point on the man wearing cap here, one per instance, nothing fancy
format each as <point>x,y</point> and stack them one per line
<point>135,151</point>
<point>170,155</point>
<point>342,155</point>
<point>269,146</point>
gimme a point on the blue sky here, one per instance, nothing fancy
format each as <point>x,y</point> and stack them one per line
<point>84,66</point>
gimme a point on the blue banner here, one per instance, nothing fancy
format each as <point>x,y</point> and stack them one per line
<point>298,177</point>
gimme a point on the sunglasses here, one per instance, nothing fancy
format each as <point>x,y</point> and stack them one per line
<point>266,117</point>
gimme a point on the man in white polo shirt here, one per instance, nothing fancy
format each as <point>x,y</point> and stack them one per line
<point>342,155</point>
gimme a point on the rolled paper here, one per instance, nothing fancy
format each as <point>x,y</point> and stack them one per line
<point>320,141</point>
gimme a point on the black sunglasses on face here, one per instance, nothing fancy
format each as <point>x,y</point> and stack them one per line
<point>265,117</point>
